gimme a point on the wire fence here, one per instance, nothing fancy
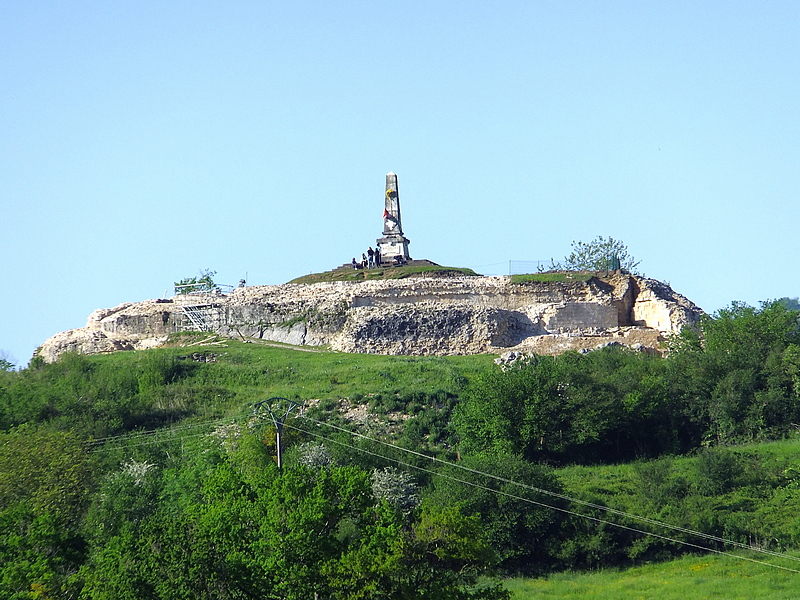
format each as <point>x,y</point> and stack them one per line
<point>202,289</point>
<point>522,267</point>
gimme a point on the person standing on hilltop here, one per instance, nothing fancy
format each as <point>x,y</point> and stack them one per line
<point>371,259</point>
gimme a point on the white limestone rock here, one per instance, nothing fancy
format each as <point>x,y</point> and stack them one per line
<point>419,315</point>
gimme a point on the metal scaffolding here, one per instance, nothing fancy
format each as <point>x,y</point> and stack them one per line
<point>201,317</point>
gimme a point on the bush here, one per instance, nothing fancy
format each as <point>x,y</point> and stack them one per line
<point>524,534</point>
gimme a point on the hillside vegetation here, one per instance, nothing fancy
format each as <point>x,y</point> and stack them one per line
<point>402,272</point>
<point>152,474</point>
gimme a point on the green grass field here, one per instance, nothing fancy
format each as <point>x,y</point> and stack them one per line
<point>689,578</point>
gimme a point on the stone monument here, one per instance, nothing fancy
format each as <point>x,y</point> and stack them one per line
<point>393,245</point>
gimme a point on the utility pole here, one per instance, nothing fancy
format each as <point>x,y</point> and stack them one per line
<point>279,409</point>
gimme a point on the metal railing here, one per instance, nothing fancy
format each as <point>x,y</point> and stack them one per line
<point>202,289</point>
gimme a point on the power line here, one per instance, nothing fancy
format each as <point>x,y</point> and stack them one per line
<point>153,442</point>
<point>609,510</point>
<point>99,443</point>
<point>562,497</point>
<point>565,510</point>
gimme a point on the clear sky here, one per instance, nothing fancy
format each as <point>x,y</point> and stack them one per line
<point>141,142</point>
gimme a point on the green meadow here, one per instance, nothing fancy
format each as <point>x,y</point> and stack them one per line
<point>689,578</point>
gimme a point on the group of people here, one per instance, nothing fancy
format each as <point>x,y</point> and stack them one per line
<point>372,258</point>
<point>369,260</point>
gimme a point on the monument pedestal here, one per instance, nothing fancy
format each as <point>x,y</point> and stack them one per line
<point>391,246</point>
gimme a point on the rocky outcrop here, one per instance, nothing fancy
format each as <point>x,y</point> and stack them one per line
<point>424,315</point>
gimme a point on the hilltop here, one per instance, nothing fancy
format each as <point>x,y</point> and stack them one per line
<point>414,268</point>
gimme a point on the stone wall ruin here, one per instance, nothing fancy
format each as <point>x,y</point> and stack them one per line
<point>413,316</point>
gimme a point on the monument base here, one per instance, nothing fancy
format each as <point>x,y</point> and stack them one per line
<point>392,246</point>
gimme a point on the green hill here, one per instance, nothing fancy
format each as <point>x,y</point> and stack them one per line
<point>404,473</point>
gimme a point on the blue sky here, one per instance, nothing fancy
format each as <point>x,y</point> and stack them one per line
<point>141,142</point>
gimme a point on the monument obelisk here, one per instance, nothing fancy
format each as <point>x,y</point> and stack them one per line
<point>393,244</point>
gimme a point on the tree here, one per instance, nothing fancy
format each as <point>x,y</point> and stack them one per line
<point>522,532</point>
<point>396,487</point>
<point>601,254</point>
<point>48,470</point>
<point>202,283</point>
<point>608,405</point>
<point>38,554</point>
<point>45,476</point>
<point>314,454</point>
<point>211,526</point>
<point>740,373</point>
<point>442,556</point>
<point>7,361</point>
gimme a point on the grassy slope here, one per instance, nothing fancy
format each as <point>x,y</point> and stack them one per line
<point>692,577</point>
<point>707,576</point>
<point>252,371</point>
<point>382,273</point>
